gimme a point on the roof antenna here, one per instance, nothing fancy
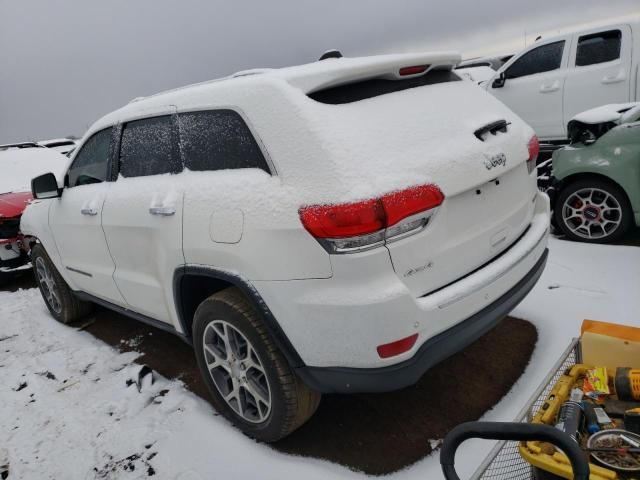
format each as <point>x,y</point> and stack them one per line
<point>333,53</point>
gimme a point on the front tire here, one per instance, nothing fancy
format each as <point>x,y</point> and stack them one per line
<point>593,210</point>
<point>249,379</point>
<point>60,300</point>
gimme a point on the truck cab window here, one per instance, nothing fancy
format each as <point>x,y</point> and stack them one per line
<point>542,59</point>
<point>598,48</point>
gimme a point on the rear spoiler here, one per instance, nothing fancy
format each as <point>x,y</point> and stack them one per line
<point>341,71</point>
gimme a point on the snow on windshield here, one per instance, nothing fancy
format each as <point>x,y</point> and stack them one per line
<point>19,166</point>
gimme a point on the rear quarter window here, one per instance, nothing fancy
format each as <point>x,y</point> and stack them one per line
<point>218,140</point>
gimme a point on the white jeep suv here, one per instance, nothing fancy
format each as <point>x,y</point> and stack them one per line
<point>340,226</point>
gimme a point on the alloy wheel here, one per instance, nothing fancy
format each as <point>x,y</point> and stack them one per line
<point>48,285</point>
<point>236,371</point>
<point>592,213</point>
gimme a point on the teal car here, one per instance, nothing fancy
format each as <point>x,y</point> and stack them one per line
<point>595,189</point>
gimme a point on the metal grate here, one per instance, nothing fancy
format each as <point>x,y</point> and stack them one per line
<point>504,461</point>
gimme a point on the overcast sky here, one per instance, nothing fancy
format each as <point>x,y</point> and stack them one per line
<point>65,63</point>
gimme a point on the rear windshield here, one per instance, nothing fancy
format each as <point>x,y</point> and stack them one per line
<point>354,92</point>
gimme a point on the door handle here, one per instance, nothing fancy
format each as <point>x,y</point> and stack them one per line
<point>620,77</point>
<point>162,211</point>
<point>89,211</point>
<point>553,87</point>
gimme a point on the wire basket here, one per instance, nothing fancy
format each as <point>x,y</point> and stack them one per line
<point>504,461</point>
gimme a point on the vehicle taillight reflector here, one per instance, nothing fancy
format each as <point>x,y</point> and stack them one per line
<point>534,147</point>
<point>404,203</point>
<point>414,70</point>
<point>343,220</point>
<point>369,216</point>
<point>396,348</point>
<point>534,151</point>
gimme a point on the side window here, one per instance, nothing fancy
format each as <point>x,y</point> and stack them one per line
<point>542,59</point>
<point>598,48</point>
<point>218,140</point>
<point>149,147</point>
<point>91,164</point>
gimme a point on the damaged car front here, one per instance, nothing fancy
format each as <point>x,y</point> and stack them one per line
<point>594,183</point>
<point>12,256</point>
<point>19,163</point>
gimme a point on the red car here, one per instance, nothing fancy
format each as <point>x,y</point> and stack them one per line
<point>19,163</point>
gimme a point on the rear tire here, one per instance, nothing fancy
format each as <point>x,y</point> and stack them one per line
<point>4,278</point>
<point>593,210</point>
<point>249,379</point>
<point>60,300</point>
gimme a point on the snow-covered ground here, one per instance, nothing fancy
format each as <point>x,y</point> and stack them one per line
<point>68,408</point>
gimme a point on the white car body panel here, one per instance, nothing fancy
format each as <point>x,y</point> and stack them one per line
<point>76,226</point>
<point>146,248</point>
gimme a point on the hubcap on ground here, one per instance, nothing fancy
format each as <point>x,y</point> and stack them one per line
<point>236,371</point>
<point>48,285</point>
<point>592,213</point>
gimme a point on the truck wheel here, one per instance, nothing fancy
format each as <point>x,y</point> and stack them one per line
<point>249,379</point>
<point>4,278</point>
<point>61,302</point>
<point>593,210</point>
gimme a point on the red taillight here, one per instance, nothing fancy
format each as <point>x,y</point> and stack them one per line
<point>414,70</point>
<point>534,151</point>
<point>369,216</point>
<point>534,148</point>
<point>404,203</point>
<point>344,220</point>
<point>396,348</point>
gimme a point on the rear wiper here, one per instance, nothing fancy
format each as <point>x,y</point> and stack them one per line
<point>492,128</point>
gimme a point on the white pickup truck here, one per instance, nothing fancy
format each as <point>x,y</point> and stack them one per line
<point>554,79</point>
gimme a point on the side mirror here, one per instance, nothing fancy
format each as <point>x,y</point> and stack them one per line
<point>500,81</point>
<point>45,186</point>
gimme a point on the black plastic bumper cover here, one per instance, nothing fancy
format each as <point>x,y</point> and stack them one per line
<point>432,352</point>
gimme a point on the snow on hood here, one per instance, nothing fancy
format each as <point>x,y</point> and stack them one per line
<point>19,166</point>
<point>606,113</point>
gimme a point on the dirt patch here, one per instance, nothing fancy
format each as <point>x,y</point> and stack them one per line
<point>373,433</point>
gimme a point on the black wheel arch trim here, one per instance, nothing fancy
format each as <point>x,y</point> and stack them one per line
<point>247,288</point>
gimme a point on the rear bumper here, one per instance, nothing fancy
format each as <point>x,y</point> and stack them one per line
<point>432,352</point>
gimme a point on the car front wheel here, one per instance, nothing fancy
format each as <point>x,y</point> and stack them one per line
<point>249,379</point>
<point>593,210</point>
<point>59,298</point>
